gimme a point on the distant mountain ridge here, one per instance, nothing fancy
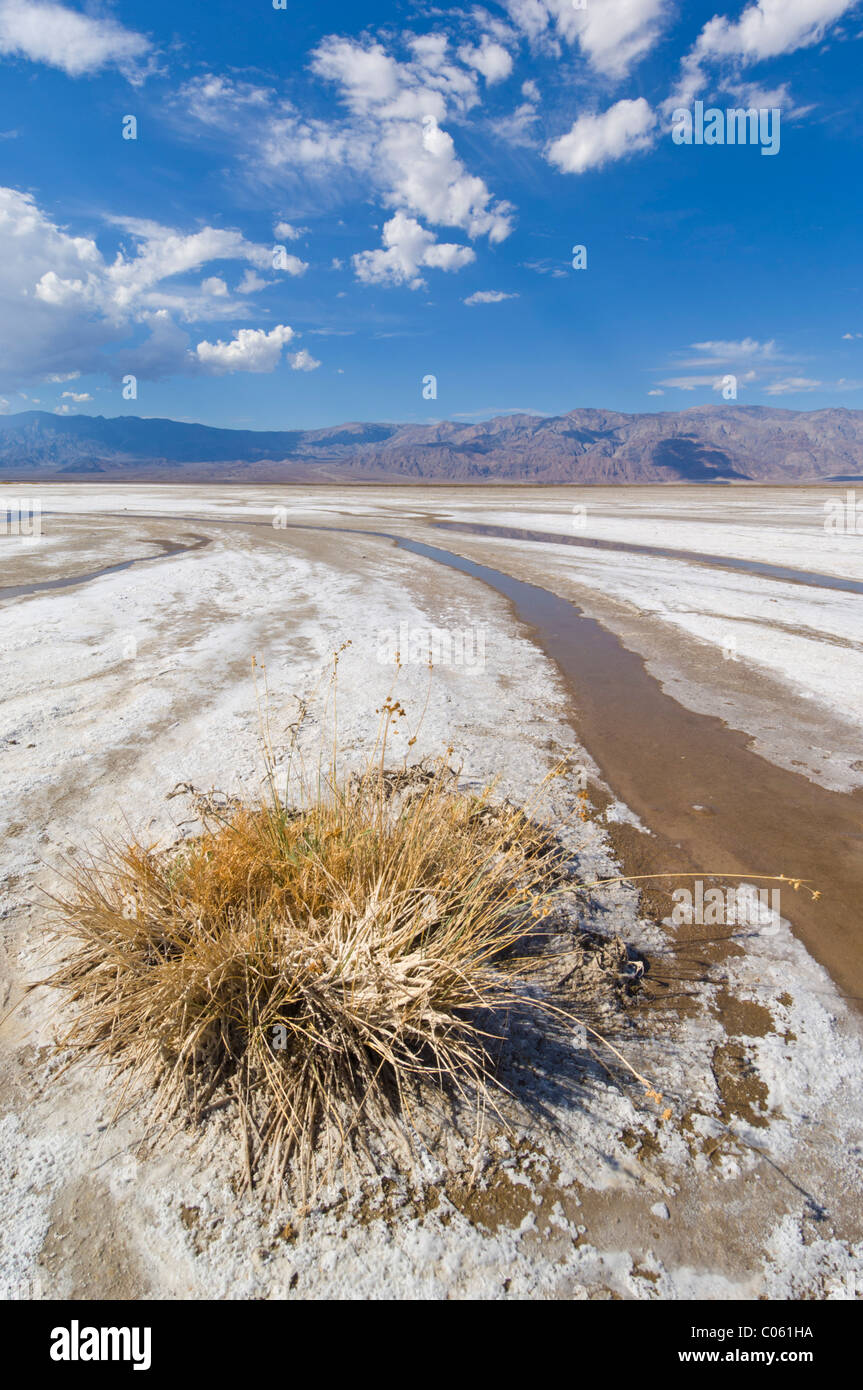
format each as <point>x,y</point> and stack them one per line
<point>710,443</point>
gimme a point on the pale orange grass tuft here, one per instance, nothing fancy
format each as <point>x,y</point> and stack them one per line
<point>324,964</point>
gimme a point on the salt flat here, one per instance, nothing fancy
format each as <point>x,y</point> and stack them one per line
<point>116,690</point>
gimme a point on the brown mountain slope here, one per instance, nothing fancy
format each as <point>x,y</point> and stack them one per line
<point>721,443</point>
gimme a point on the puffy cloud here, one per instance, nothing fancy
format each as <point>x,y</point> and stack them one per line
<point>62,38</point>
<point>160,253</point>
<point>612,34</point>
<point>489,297</point>
<point>291,264</point>
<point>593,141</point>
<point>369,77</point>
<point>392,140</point>
<point>765,29</point>
<point>52,289</point>
<point>251,350</point>
<point>215,285</point>
<point>63,305</point>
<point>286,231</point>
<point>77,396</point>
<point>254,350</point>
<point>251,283</point>
<point>375,84</point>
<point>769,28</point>
<point>407,247</point>
<point>490,58</point>
<point>429,180</point>
<point>617,33</point>
<point>303,361</point>
<point>53,333</point>
<point>413,158</point>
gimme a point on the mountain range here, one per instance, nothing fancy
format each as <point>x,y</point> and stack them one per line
<point>710,443</point>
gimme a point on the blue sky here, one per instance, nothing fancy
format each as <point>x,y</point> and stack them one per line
<point>427,172</point>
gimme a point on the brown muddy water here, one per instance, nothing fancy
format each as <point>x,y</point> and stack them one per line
<point>716,807</point>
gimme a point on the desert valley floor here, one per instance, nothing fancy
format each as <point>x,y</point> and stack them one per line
<point>695,653</point>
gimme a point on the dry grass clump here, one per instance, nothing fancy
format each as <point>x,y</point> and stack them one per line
<point>325,966</point>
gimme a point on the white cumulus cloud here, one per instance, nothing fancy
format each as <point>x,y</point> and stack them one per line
<point>612,34</point>
<point>391,140</point>
<point>64,305</point>
<point>769,28</point>
<point>251,350</point>
<point>595,140</point>
<point>251,283</point>
<point>303,361</point>
<point>490,58</point>
<point>766,29</point>
<point>63,38</point>
<point>407,248</point>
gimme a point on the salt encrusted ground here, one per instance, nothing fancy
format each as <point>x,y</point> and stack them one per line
<point>115,692</point>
